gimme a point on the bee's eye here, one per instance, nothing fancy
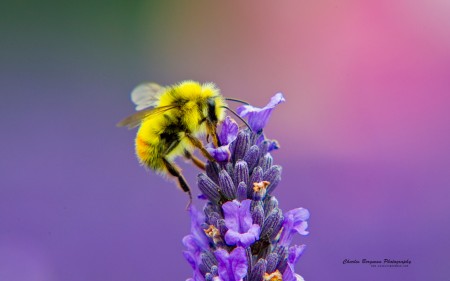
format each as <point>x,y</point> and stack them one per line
<point>212,110</point>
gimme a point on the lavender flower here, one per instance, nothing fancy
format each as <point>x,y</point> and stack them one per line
<point>258,117</point>
<point>232,266</point>
<point>238,219</point>
<point>242,234</point>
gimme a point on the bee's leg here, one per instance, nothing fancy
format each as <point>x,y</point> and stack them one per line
<point>213,132</point>
<point>197,143</point>
<point>175,171</point>
<point>199,163</point>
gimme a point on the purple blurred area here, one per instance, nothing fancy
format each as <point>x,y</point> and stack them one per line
<point>364,132</point>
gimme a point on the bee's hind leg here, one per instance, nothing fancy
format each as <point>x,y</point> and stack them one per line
<point>199,163</point>
<point>175,171</point>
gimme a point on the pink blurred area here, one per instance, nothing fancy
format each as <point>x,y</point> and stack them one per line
<point>365,74</point>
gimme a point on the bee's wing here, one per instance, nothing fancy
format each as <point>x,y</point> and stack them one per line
<point>146,95</point>
<point>136,118</point>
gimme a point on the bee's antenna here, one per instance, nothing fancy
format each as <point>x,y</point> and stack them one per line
<point>237,115</point>
<point>236,100</point>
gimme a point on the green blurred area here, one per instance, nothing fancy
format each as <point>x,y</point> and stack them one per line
<point>77,19</point>
<point>34,31</point>
<point>108,40</point>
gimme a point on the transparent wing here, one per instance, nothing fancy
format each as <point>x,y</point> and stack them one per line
<point>146,95</point>
<point>136,118</point>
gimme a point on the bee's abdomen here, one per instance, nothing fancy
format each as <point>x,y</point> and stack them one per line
<point>156,140</point>
<point>147,152</point>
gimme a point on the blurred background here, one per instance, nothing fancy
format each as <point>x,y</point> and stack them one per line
<point>364,133</point>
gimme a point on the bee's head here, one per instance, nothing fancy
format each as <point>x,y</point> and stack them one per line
<point>215,113</point>
<point>214,103</point>
<point>216,109</point>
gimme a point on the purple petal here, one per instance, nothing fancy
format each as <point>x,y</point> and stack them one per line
<point>294,253</point>
<point>298,214</point>
<point>238,262</point>
<point>275,100</point>
<point>231,214</point>
<point>258,117</point>
<point>237,215</point>
<point>294,222</point>
<point>243,239</point>
<point>239,222</point>
<point>273,145</point>
<point>232,237</point>
<point>197,219</point>
<point>195,242</point>
<point>191,259</point>
<point>222,263</point>
<point>301,228</point>
<point>228,131</point>
<point>245,215</point>
<point>191,243</point>
<point>267,145</point>
<point>194,260</point>
<point>231,266</point>
<point>299,218</point>
<point>246,239</point>
<point>289,274</point>
<point>221,153</point>
<point>251,236</point>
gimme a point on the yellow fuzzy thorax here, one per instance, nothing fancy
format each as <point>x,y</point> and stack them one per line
<point>195,96</point>
<point>188,90</point>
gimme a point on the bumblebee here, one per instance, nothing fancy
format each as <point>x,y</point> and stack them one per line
<point>171,120</point>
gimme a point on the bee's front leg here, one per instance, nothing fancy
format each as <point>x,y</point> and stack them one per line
<point>212,130</point>
<point>197,143</point>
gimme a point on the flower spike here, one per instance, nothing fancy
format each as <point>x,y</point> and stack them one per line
<point>242,233</point>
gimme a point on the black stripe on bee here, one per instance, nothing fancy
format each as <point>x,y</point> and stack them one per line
<point>169,141</point>
<point>212,110</point>
<point>170,137</point>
